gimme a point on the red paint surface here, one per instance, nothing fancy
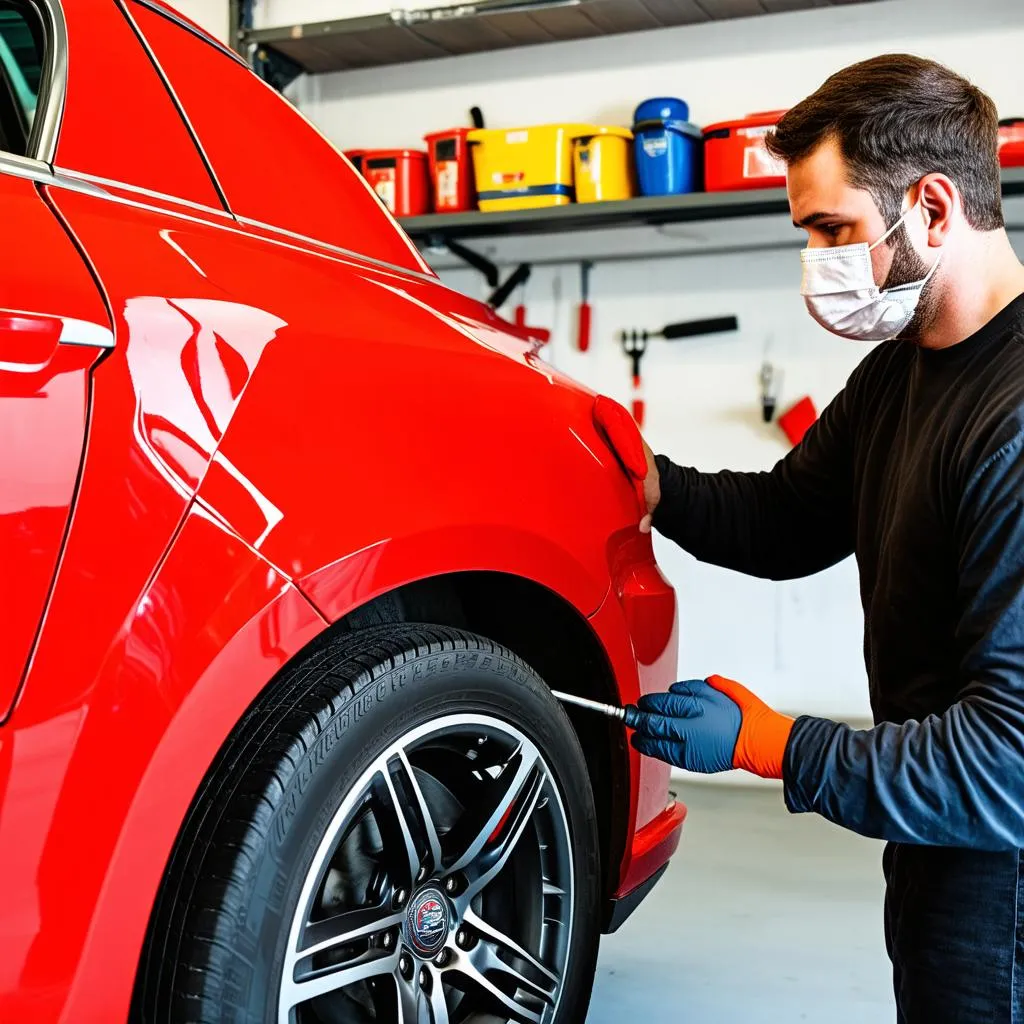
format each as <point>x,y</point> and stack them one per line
<point>44,403</point>
<point>280,433</point>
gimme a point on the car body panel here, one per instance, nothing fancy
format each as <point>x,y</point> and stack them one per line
<point>45,358</point>
<point>279,431</point>
<point>95,791</point>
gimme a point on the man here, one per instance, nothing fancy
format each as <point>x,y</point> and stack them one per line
<point>917,467</point>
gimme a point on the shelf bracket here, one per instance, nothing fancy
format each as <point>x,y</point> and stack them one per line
<point>500,293</point>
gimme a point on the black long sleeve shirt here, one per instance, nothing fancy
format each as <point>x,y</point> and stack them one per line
<point>917,467</point>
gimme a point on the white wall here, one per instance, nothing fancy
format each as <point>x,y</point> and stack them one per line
<point>797,644</point>
<point>209,14</point>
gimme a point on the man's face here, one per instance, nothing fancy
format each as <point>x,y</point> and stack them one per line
<point>834,212</point>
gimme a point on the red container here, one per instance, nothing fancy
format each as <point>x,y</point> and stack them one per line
<point>1011,142</point>
<point>451,171</point>
<point>355,158</point>
<point>735,156</point>
<point>399,177</point>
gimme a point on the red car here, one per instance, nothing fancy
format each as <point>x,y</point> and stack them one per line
<point>293,541</point>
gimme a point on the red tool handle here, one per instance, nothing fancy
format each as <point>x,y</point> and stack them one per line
<point>583,332</point>
<point>639,405</point>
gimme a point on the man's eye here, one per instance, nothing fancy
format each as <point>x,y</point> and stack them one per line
<point>832,230</point>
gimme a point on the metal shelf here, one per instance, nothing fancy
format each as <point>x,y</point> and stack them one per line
<point>707,222</point>
<point>403,36</point>
<point>697,206</point>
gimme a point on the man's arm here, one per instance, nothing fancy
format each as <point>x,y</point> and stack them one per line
<point>794,521</point>
<point>955,779</point>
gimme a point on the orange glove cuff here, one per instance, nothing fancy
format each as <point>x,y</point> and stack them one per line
<point>764,733</point>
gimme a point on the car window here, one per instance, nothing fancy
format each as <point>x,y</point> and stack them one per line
<point>21,62</point>
<point>272,165</point>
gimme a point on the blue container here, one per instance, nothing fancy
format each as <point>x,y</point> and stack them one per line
<point>668,157</point>
<point>662,108</point>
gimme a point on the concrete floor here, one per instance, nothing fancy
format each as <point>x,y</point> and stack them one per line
<point>762,916</point>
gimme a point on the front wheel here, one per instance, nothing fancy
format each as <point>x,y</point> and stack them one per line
<point>403,831</point>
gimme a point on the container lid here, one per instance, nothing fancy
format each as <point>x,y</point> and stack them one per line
<point>682,127</point>
<point>765,119</point>
<point>447,133</point>
<point>394,154</point>
<point>662,108</point>
<point>615,130</point>
<point>574,130</point>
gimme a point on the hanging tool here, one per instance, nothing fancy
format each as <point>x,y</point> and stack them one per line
<point>628,714</point>
<point>768,391</point>
<point>634,344</point>
<point>519,319</point>
<point>583,325</point>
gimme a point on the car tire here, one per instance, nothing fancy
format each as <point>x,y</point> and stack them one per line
<point>243,884</point>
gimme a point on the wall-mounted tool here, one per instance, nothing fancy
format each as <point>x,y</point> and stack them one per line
<point>769,391</point>
<point>798,419</point>
<point>583,321</point>
<point>519,314</point>
<point>634,344</point>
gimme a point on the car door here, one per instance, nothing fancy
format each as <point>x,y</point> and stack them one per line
<point>53,329</point>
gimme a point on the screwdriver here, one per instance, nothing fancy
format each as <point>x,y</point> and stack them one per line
<point>629,714</point>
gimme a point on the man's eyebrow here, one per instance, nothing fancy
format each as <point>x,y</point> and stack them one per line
<point>813,218</point>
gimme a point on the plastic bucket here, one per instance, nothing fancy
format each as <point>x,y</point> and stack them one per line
<point>399,177</point>
<point>668,157</point>
<point>451,172</point>
<point>603,165</point>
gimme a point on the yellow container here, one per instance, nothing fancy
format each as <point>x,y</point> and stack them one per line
<point>603,164</point>
<point>521,168</point>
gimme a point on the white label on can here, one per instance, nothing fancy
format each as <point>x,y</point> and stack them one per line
<point>656,145</point>
<point>759,163</point>
<point>447,183</point>
<point>514,137</point>
<point>385,188</point>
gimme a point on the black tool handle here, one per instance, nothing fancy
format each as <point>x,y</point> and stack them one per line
<point>691,328</point>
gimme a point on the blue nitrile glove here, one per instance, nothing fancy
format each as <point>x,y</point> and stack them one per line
<point>693,726</point>
<point>712,725</point>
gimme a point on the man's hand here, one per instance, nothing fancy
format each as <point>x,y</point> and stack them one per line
<point>652,489</point>
<point>710,726</point>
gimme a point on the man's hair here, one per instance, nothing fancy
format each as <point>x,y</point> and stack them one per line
<point>897,118</point>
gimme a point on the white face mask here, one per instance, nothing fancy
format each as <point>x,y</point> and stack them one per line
<point>840,292</point>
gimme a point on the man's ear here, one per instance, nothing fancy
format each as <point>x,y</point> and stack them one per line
<point>940,201</point>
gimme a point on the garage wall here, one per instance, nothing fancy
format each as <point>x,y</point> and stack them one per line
<point>209,14</point>
<point>797,643</point>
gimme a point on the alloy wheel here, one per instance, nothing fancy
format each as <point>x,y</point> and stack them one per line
<point>442,890</point>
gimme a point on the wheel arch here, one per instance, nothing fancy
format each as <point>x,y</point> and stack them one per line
<point>555,640</point>
<point>537,624</point>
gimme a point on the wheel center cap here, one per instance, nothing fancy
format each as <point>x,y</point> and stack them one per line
<point>428,920</point>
